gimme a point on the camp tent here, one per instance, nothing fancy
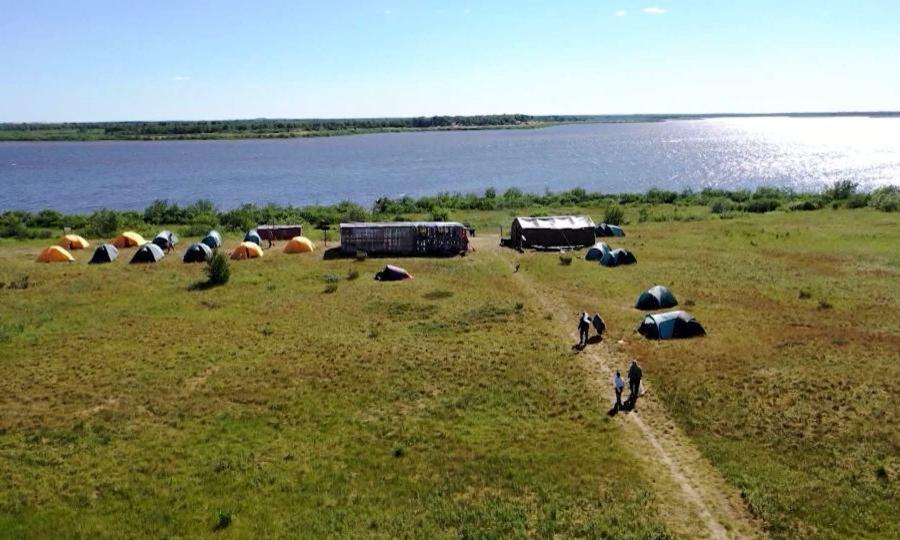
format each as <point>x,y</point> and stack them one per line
<point>104,253</point>
<point>552,232</point>
<point>392,273</point>
<point>247,250</point>
<point>197,253</point>
<point>73,241</point>
<point>212,239</point>
<point>623,256</point>
<point>128,239</point>
<point>166,240</point>
<point>605,229</point>
<point>601,253</point>
<point>148,253</point>
<point>656,297</point>
<point>55,254</point>
<point>670,325</point>
<point>254,237</point>
<point>299,244</point>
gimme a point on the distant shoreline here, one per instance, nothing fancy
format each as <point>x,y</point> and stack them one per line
<point>307,128</point>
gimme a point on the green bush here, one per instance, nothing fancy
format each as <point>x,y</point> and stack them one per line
<point>104,223</point>
<point>440,214</point>
<point>721,205</point>
<point>857,200</point>
<point>886,199</point>
<point>841,189</point>
<point>218,269</point>
<point>614,214</point>
<point>806,204</point>
<point>761,206</point>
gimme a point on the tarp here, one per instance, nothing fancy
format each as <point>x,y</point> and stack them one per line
<point>212,239</point>
<point>247,250</point>
<point>392,273</point>
<point>148,253</point>
<point>55,254</point>
<point>73,241</point>
<point>254,237</point>
<point>670,325</point>
<point>166,239</point>
<point>196,253</point>
<point>299,244</point>
<point>104,253</point>
<point>656,297</point>
<point>128,239</point>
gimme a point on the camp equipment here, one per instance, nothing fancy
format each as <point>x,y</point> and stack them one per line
<point>212,239</point>
<point>148,253</point>
<point>670,325</point>
<point>247,250</point>
<point>73,241</point>
<point>166,240</point>
<point>128,239</point>
<point>198,252</point>
<point>299,244</point>
<point>55,254</point>
<point>253,236</point>
<point>104,253</point>
<point>392,273</point>
<point>656,297</point>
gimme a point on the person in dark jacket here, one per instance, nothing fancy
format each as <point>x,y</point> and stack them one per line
<point>599,325</point>
<point>634,381</point>
<point>584,327</point>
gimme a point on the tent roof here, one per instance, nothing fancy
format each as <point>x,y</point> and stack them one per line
<point>55,254</point>
<point>660,318</point>
<point>555,222</point>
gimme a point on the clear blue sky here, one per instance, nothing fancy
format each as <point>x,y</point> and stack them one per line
<point>121,60</point>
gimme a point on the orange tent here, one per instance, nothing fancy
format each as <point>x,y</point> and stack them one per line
<point>247,250</point>
<point>299,244</point>
<point>73,241</point>
<point>55,254</point>
<point>128,239</point>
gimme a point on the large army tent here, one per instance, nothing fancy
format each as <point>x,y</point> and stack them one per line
<point>605,229</point>
<point>55,254</point>
<point>212,239</point>
<point>197,253</point>
<point>656,297</point>
<point>670,325</point>
<point>247,250</point>
<point>128,239</point>
<point>73,241</point>
<point>104,253</point>
<point>552,233</point>
<point>148,253</point>
<point>166,240</point>
<point>299,244</point>
<point>392,273</point>
<point>254,237</point>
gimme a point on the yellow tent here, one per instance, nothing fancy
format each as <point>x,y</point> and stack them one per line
<point>73,241</point>
<point>247,250</point>
<point>299,244</point>
<point>128,239</point>
<point>55,254</point>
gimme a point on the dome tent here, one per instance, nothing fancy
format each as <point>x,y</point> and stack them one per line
<point>148,253</point>
<point>73,241</point>
<point>247,250</point>
<point>55,254</point>
<point>601,253</point>
<point>166,240</point>
<point>623,256</point>
<point>670,325</point>
<point>128,239</point>
<point>299,244</point>
<point>212,239</point>
<point>392,273</point>
<point>198,252</point>
<point>104,253</point>
<point>605,229</point>
<point>254,237</point>
<point>656,297</point>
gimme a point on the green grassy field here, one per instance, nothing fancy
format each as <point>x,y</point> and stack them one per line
<point>451,405</point>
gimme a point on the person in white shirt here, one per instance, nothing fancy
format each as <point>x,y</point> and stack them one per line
<point>618,385</point>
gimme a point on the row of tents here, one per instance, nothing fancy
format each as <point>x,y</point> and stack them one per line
<point>670,325</point>
<point>601,253</point>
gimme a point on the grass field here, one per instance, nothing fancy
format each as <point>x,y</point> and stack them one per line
<point>451,405</point>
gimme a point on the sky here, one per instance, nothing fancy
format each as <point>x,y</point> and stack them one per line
<point>95,60</point>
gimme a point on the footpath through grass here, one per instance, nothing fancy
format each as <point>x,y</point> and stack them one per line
<point>131,406</point>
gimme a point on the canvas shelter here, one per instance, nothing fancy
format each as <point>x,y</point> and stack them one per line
<point>166,239</point>
<point>197,253</point>
<point>279,232</point>
<point>55,254</point>
<point>212,239</point>
<point>552,233</point>
<point>670,325</point>
<point>73,241</point>
<point>148,253</point>
<point>605,229</point>
<point>623,256</point>
<point>405,238</point>
<point>105,253</point>
<point>247,250</point>
<point>656,297</point>
<point>393,273</point>
<point>299,244</point>
<point>253,236</point>
<point>128,239</point>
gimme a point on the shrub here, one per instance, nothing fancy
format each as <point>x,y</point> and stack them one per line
<point>886,199</point>
<point>12,226</point>
<point>218,269</point>
<point>565,260</point>
<point>48,219</point>
<point>352,274</point>
<point>440,214</point>
<point>804,294</point>
<point>841,189</point>
<point>857,200</point>
<point>761,206</point>
<point>614,214</point>
<point>223,520</point>
<point>721,205</point>
<point>643,215</point>
<point>104,223</point>
<point>331,287</point>
<point>806,204</point>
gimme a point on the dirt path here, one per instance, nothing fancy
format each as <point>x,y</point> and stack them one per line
<point>695,500</point>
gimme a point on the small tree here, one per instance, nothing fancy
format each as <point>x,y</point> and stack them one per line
<point>614,215</point>
<point>218,269</point>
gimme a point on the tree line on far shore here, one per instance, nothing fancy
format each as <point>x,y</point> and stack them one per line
<point>197,218</point>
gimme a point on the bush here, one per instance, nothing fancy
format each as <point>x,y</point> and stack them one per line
<point>886,199</point>
<point>614,214</point>
<point>857,200</point>
<point>104,223</point>
<point>806,204</point>
<point>842,189</point>
<point>223,520</point>
<point>352,274</point>
<point>761,206</point>
<point>218,269</point>
<point>721,205</point>
<point>440,214</point>
<point>565,260</point>
<point>48,219</point>
<point>12,226</point>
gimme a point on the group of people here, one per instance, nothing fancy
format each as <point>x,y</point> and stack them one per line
<point>634,386</point>
<point>584,328</point>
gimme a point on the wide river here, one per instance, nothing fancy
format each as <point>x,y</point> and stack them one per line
<point>804,154</point>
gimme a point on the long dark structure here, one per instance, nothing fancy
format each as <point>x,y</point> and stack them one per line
<point>279,232</point>
<point>405,238</point>
<point>551,232</point>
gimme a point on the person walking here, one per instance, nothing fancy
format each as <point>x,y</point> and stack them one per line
<point>584,327</point>
<point>634,381</point>
<point>618,386</point>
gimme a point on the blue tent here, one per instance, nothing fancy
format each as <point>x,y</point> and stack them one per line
<point>166,239</point>
<point>656,297</point>
<point>148,253</point>
<point>601,253</point>
<point>212,239</point>
<point>670,325</point>
<point>197,253</point>
<point>253,236</point>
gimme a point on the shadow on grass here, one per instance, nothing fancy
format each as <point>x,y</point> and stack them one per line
<point>202,285</point>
